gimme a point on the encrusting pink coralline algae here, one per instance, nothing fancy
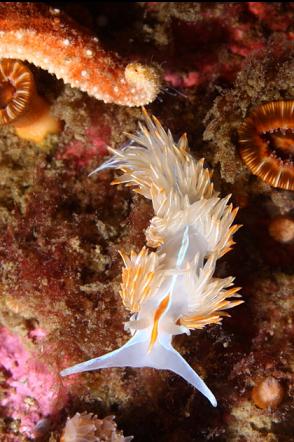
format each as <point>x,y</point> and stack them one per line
<point>172,290</point>
<point>33,391</point>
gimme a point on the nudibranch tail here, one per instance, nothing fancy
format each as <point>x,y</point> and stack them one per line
<point>135,354</point>
<point>171,290</point>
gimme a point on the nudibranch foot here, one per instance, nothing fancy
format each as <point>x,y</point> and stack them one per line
<point>135,354</point>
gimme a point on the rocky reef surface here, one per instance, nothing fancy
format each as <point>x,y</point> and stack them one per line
<point>61,231</point>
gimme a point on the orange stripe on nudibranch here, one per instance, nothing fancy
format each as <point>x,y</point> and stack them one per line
<point>157,315</point>
<point>267,143</point>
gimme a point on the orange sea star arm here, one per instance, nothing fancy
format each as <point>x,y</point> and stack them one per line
<point>46,37</point>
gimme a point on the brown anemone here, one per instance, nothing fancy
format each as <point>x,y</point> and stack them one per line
<point>20,104</point>
<point>266,140</point>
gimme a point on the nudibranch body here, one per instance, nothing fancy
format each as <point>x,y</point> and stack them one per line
<point>171,290</point>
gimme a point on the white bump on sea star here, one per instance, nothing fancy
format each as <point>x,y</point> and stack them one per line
<point>19,35</point>
<point>89,53</point>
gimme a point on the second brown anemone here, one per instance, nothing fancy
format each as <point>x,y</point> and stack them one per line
<point>266,140</point>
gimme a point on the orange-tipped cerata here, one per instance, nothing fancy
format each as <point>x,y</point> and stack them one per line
<point>266,140</point>
<point>21,106</point>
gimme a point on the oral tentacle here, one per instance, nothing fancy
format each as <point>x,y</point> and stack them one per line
<point>135,354</point>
